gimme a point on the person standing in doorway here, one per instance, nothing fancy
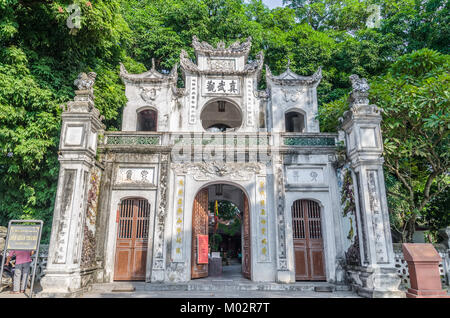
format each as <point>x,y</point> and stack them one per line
<point>21,269</point>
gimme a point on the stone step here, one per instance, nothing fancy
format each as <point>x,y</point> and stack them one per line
<point>237,287</point>
<point>343,288</point>
<point>117,287</point>
<point>217,285</point>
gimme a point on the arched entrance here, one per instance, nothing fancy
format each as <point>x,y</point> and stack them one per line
<point>308,242</point>
<point>226,229</point>
<point>132,239</point>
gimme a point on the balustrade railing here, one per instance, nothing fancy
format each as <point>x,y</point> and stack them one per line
<point>287,140</point>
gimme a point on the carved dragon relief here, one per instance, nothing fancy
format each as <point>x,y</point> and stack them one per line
<point>204,171</point>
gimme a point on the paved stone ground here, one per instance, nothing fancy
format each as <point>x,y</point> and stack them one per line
<point>218,294</point>
<point>231,275</point>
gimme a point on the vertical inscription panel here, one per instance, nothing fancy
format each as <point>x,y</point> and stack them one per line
<point>263,224</point>
<point>178,225</point>
<point>246,248</point>
<point>377,217</point>
<point>193,101</point>
<point>64,216</point>
<point>250,102</point>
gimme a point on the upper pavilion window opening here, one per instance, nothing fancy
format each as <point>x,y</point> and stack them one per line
<point>294,121</point>
<point>147,120</point>
<point>221,116</point>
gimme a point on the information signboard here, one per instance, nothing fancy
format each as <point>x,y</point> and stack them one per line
<point>202,248</point>
<point>23,237</point>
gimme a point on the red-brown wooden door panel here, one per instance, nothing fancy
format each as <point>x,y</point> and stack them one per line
<point>308,242</point>
<point>246,250</point>
<point>199,227</point>
<point>301,263</point>
<point>132,239</point>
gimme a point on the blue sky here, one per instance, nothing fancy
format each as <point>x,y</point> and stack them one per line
<point>273,3</point>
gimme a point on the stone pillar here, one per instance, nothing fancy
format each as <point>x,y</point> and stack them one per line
<point>158,269</point>
<point>284,274</point>
<point>376,277</point>
<point>81,124</point>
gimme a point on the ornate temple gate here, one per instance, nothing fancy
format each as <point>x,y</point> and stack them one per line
<point>246,252</point>
<point>132,237</point>
<point>199,227</point>
<point>308,242</point>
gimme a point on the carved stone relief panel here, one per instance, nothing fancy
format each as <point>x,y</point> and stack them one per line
<point>368,137</point>
<point>175,272</point>
<point>377,217</point>
<point>158,259</point>
<point>305,175</point>
<point>89,243</point>
<point>133,175</point>
<point>204,171</point>
<point>80,220</point>
<point>293,94</point>
<point>281,222</point>
<point>226,65</point>
<point>149,94</point>
<point>74,135</point>
<point>64,216</point>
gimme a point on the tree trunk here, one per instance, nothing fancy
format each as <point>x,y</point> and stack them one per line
<point>410,229</point>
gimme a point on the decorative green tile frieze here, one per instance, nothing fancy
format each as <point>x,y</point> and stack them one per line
<point>133,140</point>
<point>309,141</point>
<point>223,141</point>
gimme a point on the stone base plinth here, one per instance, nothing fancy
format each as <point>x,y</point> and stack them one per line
<point>375,282</point>
<point>378,293</point>
<point>60,284</point>
<point>285,277</point>
<point>414,293</point>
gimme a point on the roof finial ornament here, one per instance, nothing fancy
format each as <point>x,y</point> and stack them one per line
<point>153,63</point>
<point>289,64</point>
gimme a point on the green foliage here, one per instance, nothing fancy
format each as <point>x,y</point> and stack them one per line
<point>415,100</point>
<point>39,60</point>
<point>228,212</point>
<point>414,97</point>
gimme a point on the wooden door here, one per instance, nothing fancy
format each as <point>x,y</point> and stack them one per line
<point>246,251</point>
<point>199,227</point>
<point>132,239</point>
<point>308,242</point>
